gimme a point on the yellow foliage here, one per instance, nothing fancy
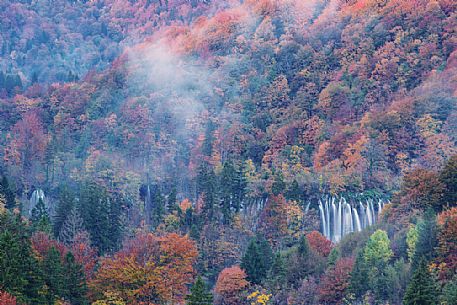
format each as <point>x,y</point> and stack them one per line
<point>258,298</point>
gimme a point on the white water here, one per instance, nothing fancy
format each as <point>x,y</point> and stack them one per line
<point>341,218</point>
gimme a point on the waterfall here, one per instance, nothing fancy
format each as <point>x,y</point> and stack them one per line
<point>358,226</point>
<point>340,217</point>
<point>36,196</point>
<point>335,222</point>
<point>324,224</point>
<point>307,207</point>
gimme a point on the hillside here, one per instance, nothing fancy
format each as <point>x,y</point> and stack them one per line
<point>224,136</point>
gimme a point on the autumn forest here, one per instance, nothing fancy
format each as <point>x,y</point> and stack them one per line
<point>228,152</point>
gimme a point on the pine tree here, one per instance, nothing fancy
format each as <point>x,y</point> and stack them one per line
<point>278,185</point>
<point>448,176</point>
<point>257,260</point>
<point>199,295</point>
<point>102,217</point>
<point>19,274</point>
<point>75,281</point>
<point>40,218</point>
<point>421,290</point>
<point>71,227</point>
<point>158,206</point>
<point>426,240</point>
<point>206,187</point>
<point>53,275</point>
<point>10,199</point>
<point>303,247</point>
<point>333,257</point>
<point>277,273</point>
<point>359,284</point>
<point>251,264</point>
<point>65,204</point>
<point>227,188</point>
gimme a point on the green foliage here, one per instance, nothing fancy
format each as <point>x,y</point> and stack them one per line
<point>411,240</point>
<point>20,275</point>
<point>333,257</point>
<point>40,218</point>
<point>449,294</point>
<point>5,189</point>
<point>256,262</point>
<point>377,249</point>
<point>422,289</point>
<point>448,176</point>
<point>53,275</point>
<point>278,273</point>
<point>199,294</point>
<point>102,217</point>
<point>75,288</point>
<point>359,284</point>
<point>426,241</point>
<point>64,205</point>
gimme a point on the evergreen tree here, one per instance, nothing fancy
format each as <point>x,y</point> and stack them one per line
<point>278,185</point>
<point>257,260</point>
<point>5,189</point>
<point>199,295</point>
<point>158,206</point>
<point>19,272</point>
<point>449,295</point>
<point>64,205</point>
<point>303,247</point>
<point>240,189</point>
<point>333,257</point>
<point>40,218</point>
<point>207,146</point>
<point>448,176</point>
<point>171,201</point>
<point>75,281</point>
<point>206,187</point>
<point>294,192</point>
<point>359,284</point>
<point>101,216</point>
<point>251,263</point>
<point>53,275</point>
<point>421,290</point>
<point>277,273</point>
<point>426,240</point>
<point>227,190</point>
<point>71,227</point>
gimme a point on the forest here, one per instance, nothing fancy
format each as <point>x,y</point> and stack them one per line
<point>228,152</point>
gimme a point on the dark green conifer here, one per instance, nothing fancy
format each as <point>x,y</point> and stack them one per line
<point>421,289</point>
<point>199,294</point>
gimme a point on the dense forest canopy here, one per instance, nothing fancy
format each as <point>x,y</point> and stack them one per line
<point>228,152</point>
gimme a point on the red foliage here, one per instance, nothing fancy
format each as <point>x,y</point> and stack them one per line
<point>27,141</point>
<point>84,254</point>
<point>335,282</point>
<point>319,243</point>
<point>7,299</point>
<point>42,243</point>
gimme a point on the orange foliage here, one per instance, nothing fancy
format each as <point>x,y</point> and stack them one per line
<point>447,240</point>
<point>149,268</point>
<point>185,205</point>
<point>230,282</point>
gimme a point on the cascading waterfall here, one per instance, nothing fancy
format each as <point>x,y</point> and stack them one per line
<point>36,196</point>
<point>339,218</point>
